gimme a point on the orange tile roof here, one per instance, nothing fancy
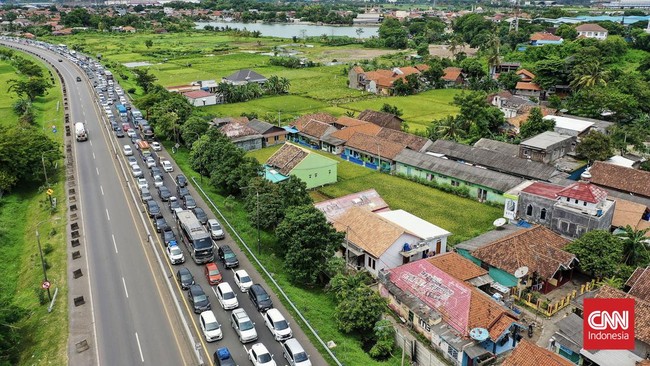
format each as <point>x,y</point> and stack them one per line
<point>457,266</point>
<point>544,36</point>
<point>374,145</point>
<point>316,129</point>
<point>486,313</point>
<point>452,73</point>
<point>526,73</point>
<point>349,121</point>
<point>627,213</point>
<point>641,286</point>
<point>527,86</point>
<point>411,141</point>
<point>590,28</point>
<point>641,311</point>
<point>323,117</point>
<point>529,354</point>
<point>628,180</point>
<point>358,69</point>
<point>366,129</point>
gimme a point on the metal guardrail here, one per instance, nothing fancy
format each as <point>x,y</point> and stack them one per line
<point>268,274</point>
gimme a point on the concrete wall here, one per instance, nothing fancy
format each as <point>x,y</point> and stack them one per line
<point>275,140</point>
<point>549,154</point>
<point>392,257</point>
<point>248,145</point>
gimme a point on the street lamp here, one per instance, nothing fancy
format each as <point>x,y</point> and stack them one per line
<point>40,251</point>
<point>47,182</point>
<point>257,197</point>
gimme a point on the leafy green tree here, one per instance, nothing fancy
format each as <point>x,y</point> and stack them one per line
<point>31,88</point>
<point>592,102</point>
<point>551,72</point>
<point>277,85</point>
<point>148,43</point>
<point>360,310</point>
<point>385,336</point>
<point>535,124</point>
<point>192,129</point>
<point>473,29</point>
<point>434,74</point>
<point>596,146</point>
<point>635,246</point>
<point>473,68</point>
<point>599,252</point>
<point>144,79</point>
<point>567,32</point>
<point>392,109</point>
<point>394,34</point>
<point>21,106</point>
<point>204,154</point>
<point>508,80</point>
<point>448,128</point>
<point>479,118</point>
<point>310,242</point>
<point>11,334</point>
<point>589,75</point>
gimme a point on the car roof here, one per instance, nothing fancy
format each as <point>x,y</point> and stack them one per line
<point>195,289</point>
<point>184,270</point>
<point>294,345</point>
<point>211,265</point>
<point>274,314</point>
<point>259,348</point>
<point>208,316</point>
<point>225,286</point>
<point>239,313</point>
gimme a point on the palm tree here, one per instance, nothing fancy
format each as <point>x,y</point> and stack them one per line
<point>450,128</point>
<point>635,246</point>
<point>493,53</point>
<point>589,75</point>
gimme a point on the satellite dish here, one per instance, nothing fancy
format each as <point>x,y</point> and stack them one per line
<point>479,334</point>
<point>521,272</point>
<point>499,222</point>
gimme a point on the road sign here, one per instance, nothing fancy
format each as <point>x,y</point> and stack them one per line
<point>49,192</point>
<point>45,285</point>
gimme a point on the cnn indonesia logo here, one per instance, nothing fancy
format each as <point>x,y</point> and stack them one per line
<point>608,324</point>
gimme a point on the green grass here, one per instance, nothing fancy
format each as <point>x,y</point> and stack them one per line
<point>21,213</point>
<point>268,107</point>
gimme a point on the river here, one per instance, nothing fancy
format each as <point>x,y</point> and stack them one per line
<point>289,30</point>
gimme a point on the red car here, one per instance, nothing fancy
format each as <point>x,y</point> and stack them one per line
<point>126,126</point>
<point>212,274</point>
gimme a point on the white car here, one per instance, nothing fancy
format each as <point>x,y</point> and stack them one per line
<point>136,171</point>
<point>142,183</point>
<point>132,160</point>
<point>131,133</point>
<point>215,229</point>
<point>260,356</point>
<point>167,166</point>
<point>158,181</point>
<point>151,162</point>
<point>226,296</point>
<point>128,151</point>
<point>156,146</point>
<point>243,325</point>
<point>210,326</point>
<point>174,253</point>
<point>242,279</point>
<point>277,324</point>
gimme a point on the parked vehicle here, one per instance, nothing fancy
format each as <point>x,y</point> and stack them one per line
<point>181,181</point>
<point>152,208</point>
<point>212,274</point>
<point>188,202</point>
<point>184,277</point>
<point>216,231</point>
<point>200,215</point>
<point>243,280</point>
<point>226,296</point>
<point>128,151</point>
<point>228,257</point>
<point>294,353</point>
<point>222,357</point>
<point>167,166</point>
<point>260,356</point>
<point>198,299</point>
<point>174,253</point>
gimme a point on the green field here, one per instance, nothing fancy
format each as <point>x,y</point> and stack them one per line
<point>22,213</point>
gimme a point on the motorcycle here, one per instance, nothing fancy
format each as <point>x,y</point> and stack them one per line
<point>530,331</point>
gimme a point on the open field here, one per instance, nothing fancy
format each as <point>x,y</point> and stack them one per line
<point>463,217</point>
<point>22,213</point>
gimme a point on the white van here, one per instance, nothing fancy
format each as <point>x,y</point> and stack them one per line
<point>80,132</point>
<point>294,353</point>
<point>210,326</point>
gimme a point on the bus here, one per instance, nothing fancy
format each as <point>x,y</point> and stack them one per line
<point>144,148</point>
<point>195,237</point>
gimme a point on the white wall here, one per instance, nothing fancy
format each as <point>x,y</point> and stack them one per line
<point>198,102</point>
<point>392,257</point>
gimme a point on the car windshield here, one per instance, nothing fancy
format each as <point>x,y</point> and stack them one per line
<point>281,325</point>
<point>215,227</point>
<point>228,295</point>
<point>229,255</point>
<point>175,251</point>
<point>200,298</point>
<point>214,272</point>
<point>246,325</point>
<point>244,279</point>
<point>264,358</point>
<point>186,277</point>
<point>300,357</point>
<point>204,243</point>
<point>212,326</point>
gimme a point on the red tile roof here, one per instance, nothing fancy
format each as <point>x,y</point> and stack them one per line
<point>547,190</point>
<point>584,192</point>
<point>452,73</point>
<point>544,36</point>
<point>621,178</point>
<point>374,145</point>
<point>527,74</point>
<point>198,94</point>
<point>527,86</point>
<point>457,266</point>
<point>640,285</point>
<point>323,117</point>
<point>349,121</point>
<point>529,354</point>
<point>641,311</point>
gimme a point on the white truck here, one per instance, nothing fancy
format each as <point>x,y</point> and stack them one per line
<point>80,131</point>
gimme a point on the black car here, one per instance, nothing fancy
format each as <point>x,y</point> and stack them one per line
<point>200,215</point>
<point>222,357</point>
<point>260,298</point>
<point>164,193</point>
<point>161,223</point>
<point>181,180</point>
<point>153,209</point>
<point>188,202</point>
<point>228,257</point>
<point>167,234</point>
<point>78,78</point>
<point>145,195</point>
<point>115,126</point>
<point>174,203</point>
<point>198,299</point>
<point>119,133</point>
<point>155,171</point>
<point>184,278</point>
<point>182,191</point>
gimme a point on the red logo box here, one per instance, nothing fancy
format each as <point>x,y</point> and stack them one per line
<point>608,324</point>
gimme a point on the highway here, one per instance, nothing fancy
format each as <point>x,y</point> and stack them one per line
<point>135,316</point>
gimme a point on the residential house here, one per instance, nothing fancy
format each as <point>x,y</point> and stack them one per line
<point>368,18</point>
<point>453,77</point>
<point>410,141</point>
<point>272,134</point>
<point>209,86</point>
<point>382,119</point>
<point>381,81</point>
<point>432,235</point>
<point>185,88</point>
<point>219,122</point>
<point>243,136</point>
<point>569,211</point>
<point>571,126</point>
<point>312,168</point>
<point>525,75</point>
<point>373,242</point>
<point>497,146</point>
<point>537,248</point>
<point>544,38</point>
<point>322,117</point>
<point>243,77</point>
<point>529,354</point>
<point>547,147</point>
<point>496,161</point>
<point>629,181</point>
<point>372,151</point>
<point>509,104</point>
<point>628,213</point>
<point>355,77</point>
<point>483,184</point>
<point>335,207</point>
<point>591,30</point>
<point>201,98</point>
<point>335,142</point>
<point>529,89</point>
<point>460,320</point>
<point>506,67</point>
<point>638,285</point>
<point>311,133</point>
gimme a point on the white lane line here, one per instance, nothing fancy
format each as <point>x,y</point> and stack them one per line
<point>125,290</point>
<point>101,189</point>
<point>137,339</point>
<point>97,170</point>
<point>114,243</point>
<point>108,215</point>
<point>94,155</point>
<point>91,142</point>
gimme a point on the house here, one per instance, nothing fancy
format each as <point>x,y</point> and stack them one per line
<point>201,98</point>
<point>382,119</point>
<point>628,213</point>
<point>497,146</point>
<point>509,104</point>
<point>537,248</point>
<point>529,354</point>
<point>272,134</point>
<point>483,184</point>
<point>525,75</point>
<point>453,77</point>
<point>381,81</point>
<point>185,88</point>
<point>570,211</point>
<point>128,29</point>
<point>374,242</point>
<point>335,207</point>
<point>410,141</point>
<point>630,181</point>
<point>465,324</point>
<point>544,38</point>
<point>219,122</point>
<point>243,136</point>
<point>529,89</point>
<point>312,168</point>
<point>638,284</point>
<point>591,30</point>
<point>571,126</point>
<point>243,77</point>
<point>355,77</point>
<point>335,142</point>
<point>430,233</point>
<point>311,133</point>
<point>547,147</point>
<point>506,67</point>
<point>372,151</point>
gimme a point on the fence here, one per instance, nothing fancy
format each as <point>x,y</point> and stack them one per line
<point>414,352</point>
<point>552,308</point>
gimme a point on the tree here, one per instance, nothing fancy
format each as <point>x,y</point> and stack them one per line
<point>589,75</point>
<point>567,32</point>
<point>392,109</point>
<point>30,88</point>
<point>192,129</point>
<point>551,71</point>
<point>144,79</point>
<point>477,116</point>
<point>10,331</point>
<point>166,123</point>
<point>148,43</point>
<point>360,310</point>
<point>448,128</point>
<point>385,336</point>
<point>433,75</point>
<point>592,102</point>
<point>359,32</point>
<point>599,252</point>
<point>310,242</point>
<point>509,80</point>
<point>596,146</point>
<point>473,68</point>
<point>204,154</point>
<point>635,246</point>
<point>535,124</point>
<point>276,85</point>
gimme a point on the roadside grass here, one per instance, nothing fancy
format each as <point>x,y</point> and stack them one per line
<point>22,212</point>
<point>268,107</point>
<point>7,116</point>
<point>316,305</point>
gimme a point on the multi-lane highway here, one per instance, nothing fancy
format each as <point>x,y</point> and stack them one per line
<point>135,316</point>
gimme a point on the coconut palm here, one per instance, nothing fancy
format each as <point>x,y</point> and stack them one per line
<point>589,75</point>
<point>635,246</point>
<point>450,128</point>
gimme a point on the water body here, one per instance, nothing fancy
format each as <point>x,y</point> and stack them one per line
<point>289,30</point>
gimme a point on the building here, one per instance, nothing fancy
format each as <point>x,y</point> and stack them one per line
<point>463,322</point>
<point>570,211</point>
<point>430,233</point>
<point>529,89</point>
<point>373,242</point>
<point>372,152</point>
<point>544,38</point>
<point>272,134</point>
<point>591,30</point>
<point>201,98</point>
<point>509,104</point>
<point>382,119</point>
<point>453,77</point>
<point>529,354</point>
<point>571,126</point>
<point>547,147</point>
<point>381,81</point>
<point>630,181</point>
<point>243,77</point>
<point>638,284</point>
<point>243,136</point>
<point>312,168</point>
<point>369,200</point>
<point>482,184</point>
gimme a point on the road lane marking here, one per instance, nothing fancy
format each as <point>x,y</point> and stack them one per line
<point>94,155</point>
<point>114,243</point>
<point>101,189</point>
<point>97,170</point>
<point>91,142</point>
<point>127,292</point>
<point>108,215</point>
<point>137,339</point>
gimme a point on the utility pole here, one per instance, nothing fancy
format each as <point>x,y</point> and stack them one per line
<point>40,251</point>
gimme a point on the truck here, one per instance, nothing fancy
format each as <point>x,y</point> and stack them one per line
<point>80,131</point>
<point>120,108</point>
<point>195,237</point>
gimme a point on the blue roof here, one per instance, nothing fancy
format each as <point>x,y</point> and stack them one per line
<point>273,175</point>
<point>290,129</point>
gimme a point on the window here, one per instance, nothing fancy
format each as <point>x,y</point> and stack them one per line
<point>542,215</point>
<point>576,201</point>
<point>568,199</point>
<point>584,203</point>
<point>266,139</point>
<point>529,210</point>
<point>276,138</point>
<point>371,263</point>
<point>451,351</point>
<point>454,183</point>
